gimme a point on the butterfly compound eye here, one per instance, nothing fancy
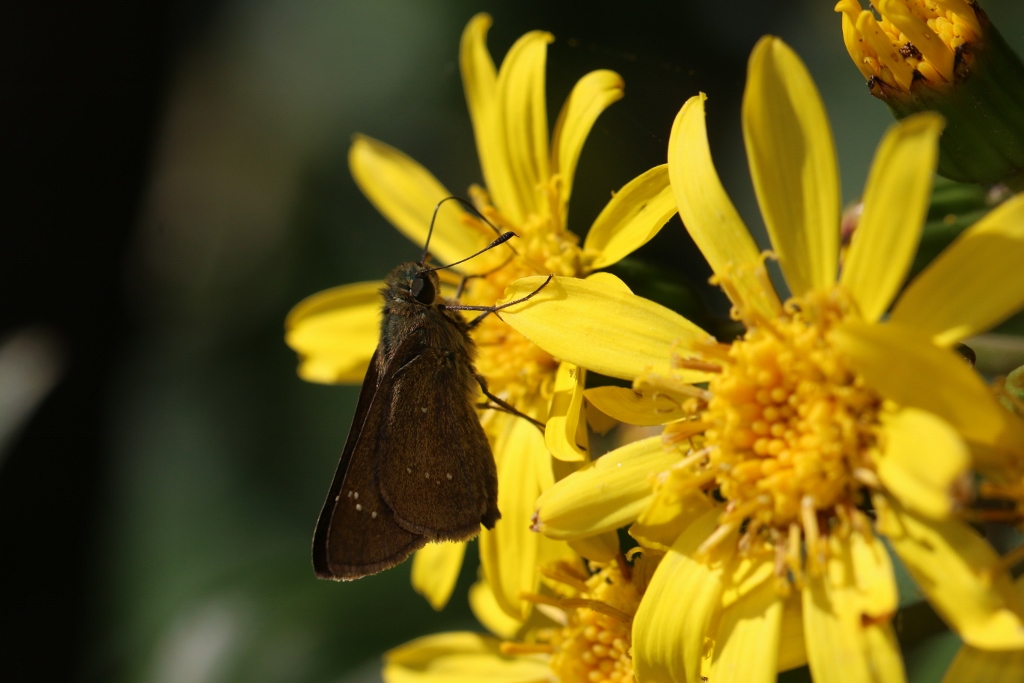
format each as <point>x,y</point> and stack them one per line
<point>422,290</point>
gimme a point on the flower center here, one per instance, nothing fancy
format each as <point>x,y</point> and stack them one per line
<point>791,426</point>
<point>593,644</point>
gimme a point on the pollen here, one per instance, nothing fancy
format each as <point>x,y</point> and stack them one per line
<point>792,430</point>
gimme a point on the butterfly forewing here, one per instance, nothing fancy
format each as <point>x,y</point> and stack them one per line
<point>356,533</point>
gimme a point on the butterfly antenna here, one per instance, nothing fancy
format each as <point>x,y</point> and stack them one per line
<point>468,205</point>
<point>504,237</point>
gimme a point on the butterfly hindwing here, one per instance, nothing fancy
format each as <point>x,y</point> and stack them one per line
<point>439,479</point>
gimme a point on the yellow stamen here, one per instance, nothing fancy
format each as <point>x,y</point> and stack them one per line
<point>597,606</point>
<point>696,364</point>
<point>809,518</point>
<point>672,384</point>
<point>692,460</point>
<point>538,599</point>
<point>559,574</point>
<point>716,537</point>
<point>793,558</point>
<point>526,648</point>
<point>594,645</point>
<point>678,432</point>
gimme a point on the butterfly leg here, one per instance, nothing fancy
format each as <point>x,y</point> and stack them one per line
<point>500,404</point>
<point>487,310</point>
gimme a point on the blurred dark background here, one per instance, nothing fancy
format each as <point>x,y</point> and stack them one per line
<point>177,179</point>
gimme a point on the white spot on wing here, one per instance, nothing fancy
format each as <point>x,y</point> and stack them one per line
<point>359,507</point>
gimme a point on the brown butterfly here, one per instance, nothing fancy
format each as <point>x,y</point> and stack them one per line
<point>417,466</point>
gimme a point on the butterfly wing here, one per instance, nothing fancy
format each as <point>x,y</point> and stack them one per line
<point>438,478</point>
<point>357,534</point>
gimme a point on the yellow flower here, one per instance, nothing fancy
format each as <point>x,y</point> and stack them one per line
<point>945,56</point>
<point>529,183</point>
<point>821,429</point>
<point>580,634</point>
<point>920,39</point>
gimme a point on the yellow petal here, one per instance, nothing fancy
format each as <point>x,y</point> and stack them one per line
<point>974,284</point>
<point>792,652</point>
<point>972,664</point>
<point>635,214</point>
<point>895,204</point>
<point>602,327</point>
<point>480,81</point>
<point>851,9</point>
<point>551,551</point>
<point>591,95</point>
<point>487,611</point>
<point>923,485</point>
<point>886,660</point>
<point>793,165</point>
<point>524,122</point>
<point>605,494</point>
<point>876,594</point>
<point>599,422</point>
<point>710,217</point>
<point>508,553</point>
<point>668,515</point>
<point>565,433</point>
<point>960,573</point>
<point>847,613</point>
<point>406,194</point>
<point>435,569</point>
<point>634,407</point>
<point>609,280</point>
<point>600,548</point>
<point>912,372</point>
<point>677,609</point>
<point>335,332</point>
<point>875,38</point>
<point>744,575</point>
<point>747,641</point>
<point>917,32</point>
<point>461,657</point>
